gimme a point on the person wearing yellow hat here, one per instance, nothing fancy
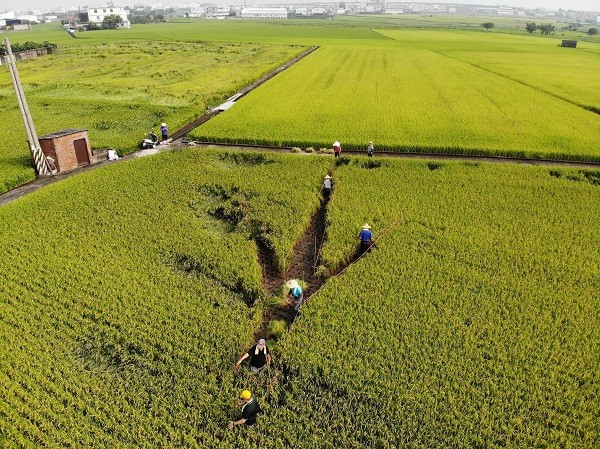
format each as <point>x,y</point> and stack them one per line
<point>259,357</point>
<point>250,409</point>
<point>295,294</point>
<point>366,238</point>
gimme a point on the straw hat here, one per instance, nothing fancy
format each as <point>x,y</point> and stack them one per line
<point>336,144</point>
<point>163,124</point>
<point>327,177</point>
<point>366,226</point>
<point>292,283</point>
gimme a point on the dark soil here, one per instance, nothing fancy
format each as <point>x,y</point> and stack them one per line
<point>304,263</point>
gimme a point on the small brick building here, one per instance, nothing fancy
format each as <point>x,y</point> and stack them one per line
<point>69,148</point>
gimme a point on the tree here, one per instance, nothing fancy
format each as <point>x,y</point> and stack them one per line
<point>488,25</point>
<point>592,31</point>
<point>530,27</point>
<point>84,17</point>
<point>111,22</point>
<point>547,28</point>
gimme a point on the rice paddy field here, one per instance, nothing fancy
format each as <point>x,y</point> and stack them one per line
<point>473,322</point>
<point>435,84</point>
<point>129,291</point>
<point>437,91</point>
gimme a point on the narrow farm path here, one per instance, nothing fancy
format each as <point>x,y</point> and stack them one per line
<point>305,261</point>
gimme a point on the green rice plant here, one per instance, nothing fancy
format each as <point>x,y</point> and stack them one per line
<point>417,94</point>
<point>472,322</point>
<point>277,329</point>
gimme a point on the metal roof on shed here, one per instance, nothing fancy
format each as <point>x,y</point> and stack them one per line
<point>64,132</point>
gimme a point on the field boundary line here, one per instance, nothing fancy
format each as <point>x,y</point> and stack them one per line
<point>419,155</point>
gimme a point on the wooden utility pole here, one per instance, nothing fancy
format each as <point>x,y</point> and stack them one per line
<point>37,155</point>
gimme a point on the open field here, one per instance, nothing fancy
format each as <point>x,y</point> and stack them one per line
<point>121,90</point>
<point>431,90</point>
<point>129,291</point>
<point>473,322</point>
<point>121,325</point>
<point>118,84</point>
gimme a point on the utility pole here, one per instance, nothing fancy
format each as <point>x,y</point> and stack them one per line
<point>37,154</point>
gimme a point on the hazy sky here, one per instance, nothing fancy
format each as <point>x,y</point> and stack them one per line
<point>23,5</point>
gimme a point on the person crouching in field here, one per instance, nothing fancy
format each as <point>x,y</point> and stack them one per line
<point>366,238</point>
<point>259,357</point>
<point>370,149</point>
<point>295,294</point>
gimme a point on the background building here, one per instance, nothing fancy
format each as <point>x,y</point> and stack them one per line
<point>97,14</point>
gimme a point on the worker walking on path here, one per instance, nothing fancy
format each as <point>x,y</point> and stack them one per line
<point>164,130</point>
<point>370,149</point>
<point>259,355</point>
<point>337,149</point>
<point>250,409</point>
<point>295,294</point>
<point>366,238</point>
<point>327,185</point>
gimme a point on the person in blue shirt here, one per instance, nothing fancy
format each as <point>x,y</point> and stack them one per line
<point>164,130</point>
<point>295,293</point>
<point>366,238</point>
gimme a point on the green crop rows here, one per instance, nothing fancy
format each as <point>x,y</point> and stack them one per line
<point>130,291</point>
<point>429,90</point>
<point>453,89</point>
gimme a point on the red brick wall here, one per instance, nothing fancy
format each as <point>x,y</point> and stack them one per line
<point>47,146</point>
<point>62,150</point>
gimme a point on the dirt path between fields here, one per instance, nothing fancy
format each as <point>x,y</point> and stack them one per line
<point>303,266</point>
<point>181,144</point>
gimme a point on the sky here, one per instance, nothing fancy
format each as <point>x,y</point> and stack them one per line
<point>24,5</point>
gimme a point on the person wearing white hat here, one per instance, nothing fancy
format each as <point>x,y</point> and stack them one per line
<point>337,149</point>
<point>164,131</point>
<point>366,238</point>
<point>259,357</point>
<point>295,293</point>
<point>327,185</point>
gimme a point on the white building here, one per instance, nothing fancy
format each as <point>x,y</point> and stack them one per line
<point>97,15</point>
<point>264,13</point>
<point>214,11</point>
<point>505,11</point>
<point>394,8</point>
<point>191,10</point>
<point>7,15</point>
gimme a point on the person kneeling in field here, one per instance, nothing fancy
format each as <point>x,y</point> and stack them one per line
<point>250,409</point>
<point>259,357</point>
